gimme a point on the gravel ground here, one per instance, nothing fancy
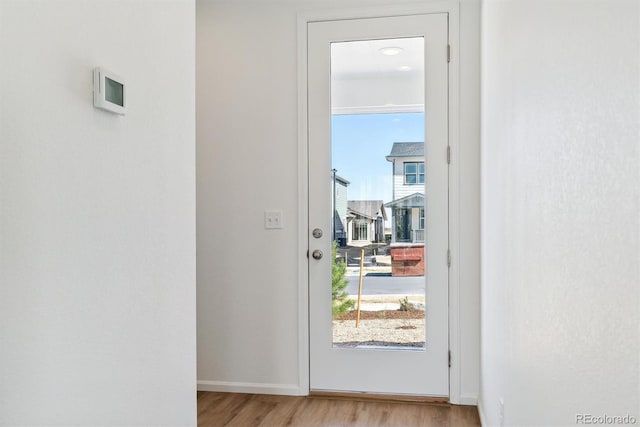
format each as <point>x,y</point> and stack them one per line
<point>379,332</point>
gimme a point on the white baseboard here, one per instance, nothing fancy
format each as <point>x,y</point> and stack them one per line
<point>254,388</point>
<point>481,413</point>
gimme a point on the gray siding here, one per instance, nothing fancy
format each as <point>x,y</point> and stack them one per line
<point>341,206</point>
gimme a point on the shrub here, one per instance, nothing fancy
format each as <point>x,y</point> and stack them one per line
<point>339,296</point>
<point>405,305</point>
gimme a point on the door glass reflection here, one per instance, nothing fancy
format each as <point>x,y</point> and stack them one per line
<point>378,194</point>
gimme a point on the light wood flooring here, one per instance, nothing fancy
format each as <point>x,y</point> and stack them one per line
<point>253,410</point>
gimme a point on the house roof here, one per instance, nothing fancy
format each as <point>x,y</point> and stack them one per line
<point>406,149</point>
<point>367,208</point>
<point>415,200</point>
<point>342,181</point>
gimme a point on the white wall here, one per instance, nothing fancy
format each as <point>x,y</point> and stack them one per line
<point>246,163</point>
<point>560,223</point>
<point>97,228</point>
<point>247,150</point>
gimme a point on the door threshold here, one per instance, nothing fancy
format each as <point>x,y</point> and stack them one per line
<point>380,397</point>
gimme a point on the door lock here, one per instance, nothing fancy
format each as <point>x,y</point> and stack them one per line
<point>317,233</point>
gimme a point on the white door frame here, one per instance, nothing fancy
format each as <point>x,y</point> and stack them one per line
<point>452,9</point>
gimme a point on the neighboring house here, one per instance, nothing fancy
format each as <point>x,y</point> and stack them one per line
<point>365,222</point>
<point>340,210</point>
<point>407,207</point>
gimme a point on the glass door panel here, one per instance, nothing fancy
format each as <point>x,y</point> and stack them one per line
<point>378,315</point>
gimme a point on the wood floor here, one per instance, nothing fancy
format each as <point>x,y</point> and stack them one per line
<point>252,410</point>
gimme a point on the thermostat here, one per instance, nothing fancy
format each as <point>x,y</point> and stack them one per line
<point>109,91</point>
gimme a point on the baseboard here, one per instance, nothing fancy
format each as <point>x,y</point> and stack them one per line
<point>481,413</point>
<point>254,388</point>
<point>380,397</point>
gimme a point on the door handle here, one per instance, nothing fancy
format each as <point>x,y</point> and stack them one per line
<point>317,254</point>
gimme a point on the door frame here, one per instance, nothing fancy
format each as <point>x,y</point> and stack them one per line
<point>304,18</point>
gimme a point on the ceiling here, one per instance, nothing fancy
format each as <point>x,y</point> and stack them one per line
<point>365,80</point>
<point>366,58</point>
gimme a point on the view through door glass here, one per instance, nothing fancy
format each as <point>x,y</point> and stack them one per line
<point>378,195</point>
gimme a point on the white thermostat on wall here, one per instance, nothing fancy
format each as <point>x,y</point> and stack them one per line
<point>109,91</point>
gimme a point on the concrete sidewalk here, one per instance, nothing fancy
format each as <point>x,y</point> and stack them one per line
<point>387,302</point>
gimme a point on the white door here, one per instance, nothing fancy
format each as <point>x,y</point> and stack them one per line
<point>354,96</point>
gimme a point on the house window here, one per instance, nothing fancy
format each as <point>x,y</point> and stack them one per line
<point>360,228</point>
<point>414,173</point>
<point>422,219</point>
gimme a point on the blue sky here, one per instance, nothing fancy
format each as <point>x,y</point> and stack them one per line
<point>359,146</point>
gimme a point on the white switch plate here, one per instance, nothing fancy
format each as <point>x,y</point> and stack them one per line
<point>272,219</point>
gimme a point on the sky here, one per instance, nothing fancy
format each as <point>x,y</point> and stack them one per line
<point>360,143</point>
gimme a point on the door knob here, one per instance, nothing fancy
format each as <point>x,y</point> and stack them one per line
<point>317,254</point>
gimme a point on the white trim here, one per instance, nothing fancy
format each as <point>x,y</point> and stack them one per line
<point>443,6</point>
<point>483,419</point>
<point>253,388</point>
<point>452,8</point>
<point>468,399</point>
<point>455,392</point>
<point>303,213</point>
<point>379,109</point>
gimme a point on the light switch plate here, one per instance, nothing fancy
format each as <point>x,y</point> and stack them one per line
<point>272,219</point>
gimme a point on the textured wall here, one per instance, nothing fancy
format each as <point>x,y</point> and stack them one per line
<point>560,222</point>
<point>97,215</point>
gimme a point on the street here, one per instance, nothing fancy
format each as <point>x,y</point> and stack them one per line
<point>386,285</point>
